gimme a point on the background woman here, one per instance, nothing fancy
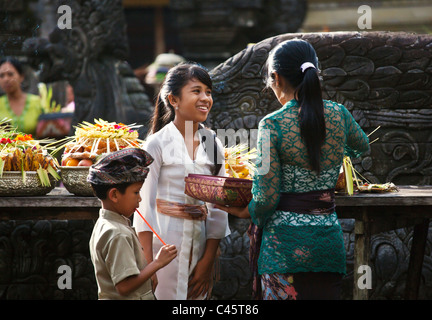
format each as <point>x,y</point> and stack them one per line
<point>177,147</point>
<point>302,252</point>
<point>23,108</point>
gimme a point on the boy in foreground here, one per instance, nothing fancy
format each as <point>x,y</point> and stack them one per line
<point>118,258</point>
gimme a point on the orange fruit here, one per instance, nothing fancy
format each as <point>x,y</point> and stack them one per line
<point>72,162</point>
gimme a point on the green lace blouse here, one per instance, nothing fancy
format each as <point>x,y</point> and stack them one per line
<point>293,242</point>
<point>28,120</point>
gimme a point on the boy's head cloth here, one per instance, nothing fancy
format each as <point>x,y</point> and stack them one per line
<point>128,165</point>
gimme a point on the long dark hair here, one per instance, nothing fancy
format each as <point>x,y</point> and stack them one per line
<point>286,60</point>
<point>15,62</point>
<point>175,79</point>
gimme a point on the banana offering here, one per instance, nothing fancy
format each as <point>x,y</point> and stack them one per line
<point>29,159</point>
<point>20,152</point>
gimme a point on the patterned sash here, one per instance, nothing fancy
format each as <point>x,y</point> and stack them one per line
<point>312,202</point>
<point>181,210</point>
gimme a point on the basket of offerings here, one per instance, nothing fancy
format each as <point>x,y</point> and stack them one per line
<point>13,183</point>
<point>90,141</point>
<point>75,180</point>
<point>234,192</point>
<point>26,167</point>
<point>234,189</point>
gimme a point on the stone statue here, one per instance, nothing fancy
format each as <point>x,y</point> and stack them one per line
<point>91,56</point>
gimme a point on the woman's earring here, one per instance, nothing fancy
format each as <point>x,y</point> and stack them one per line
<point>176,108</point>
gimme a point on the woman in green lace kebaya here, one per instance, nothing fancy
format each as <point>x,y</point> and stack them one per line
<point>294,224</point>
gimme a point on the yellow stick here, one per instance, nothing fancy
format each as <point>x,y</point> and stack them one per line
<point>374,131</point>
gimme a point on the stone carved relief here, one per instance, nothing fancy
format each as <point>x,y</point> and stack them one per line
<point>393,92</point>
<point>91,56</point>
<point>32,251</point>
<point>384,79</point>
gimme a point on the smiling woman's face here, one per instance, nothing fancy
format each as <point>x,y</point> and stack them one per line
<point>194,102</point>
<point>10,79</point>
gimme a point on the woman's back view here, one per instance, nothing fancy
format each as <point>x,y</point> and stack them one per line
<point>296,172</point>
<point>301,148</point>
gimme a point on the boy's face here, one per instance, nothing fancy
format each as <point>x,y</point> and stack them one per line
<point>127,202</point>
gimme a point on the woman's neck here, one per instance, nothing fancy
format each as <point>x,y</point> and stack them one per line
<point>186,127</point>
<point>15,95</point>
<point>188,130</point>
<point>287,97</point>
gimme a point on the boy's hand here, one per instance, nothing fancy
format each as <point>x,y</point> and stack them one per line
<point>166,254</point>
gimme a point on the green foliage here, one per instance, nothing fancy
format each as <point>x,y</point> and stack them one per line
<point>49,105</point>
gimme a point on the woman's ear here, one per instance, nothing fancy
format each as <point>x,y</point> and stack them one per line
<point>278,80</point>
<point>173,100</point>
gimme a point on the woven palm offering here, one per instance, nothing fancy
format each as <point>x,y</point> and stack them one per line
<point>348,181</point>
<point>90,141</point>
<point>26,166</point>
<point>233,190</point>
<point>94,139</point>
<point>239,161</point>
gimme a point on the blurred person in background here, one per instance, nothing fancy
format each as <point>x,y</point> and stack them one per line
<point>22,108</point>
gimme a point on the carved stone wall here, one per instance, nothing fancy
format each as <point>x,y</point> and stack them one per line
<point>17,22</point>
<point>384,79</point>
<point>211,31</point>
<point>31,253</point>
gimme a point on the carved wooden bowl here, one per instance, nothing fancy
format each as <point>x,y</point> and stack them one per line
<point>234,192</point>
<point>75,180</point>
<point>12,184</point>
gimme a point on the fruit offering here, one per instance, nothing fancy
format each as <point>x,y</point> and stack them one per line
<point>92,140</point>
<point>20,152</point>
<point>239,161</point>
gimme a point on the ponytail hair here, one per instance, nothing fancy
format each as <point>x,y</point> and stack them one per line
<point>162,115</point>
<point>288,59</point>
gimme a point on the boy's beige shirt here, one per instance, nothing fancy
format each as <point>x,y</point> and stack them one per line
<point>116,254</point>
